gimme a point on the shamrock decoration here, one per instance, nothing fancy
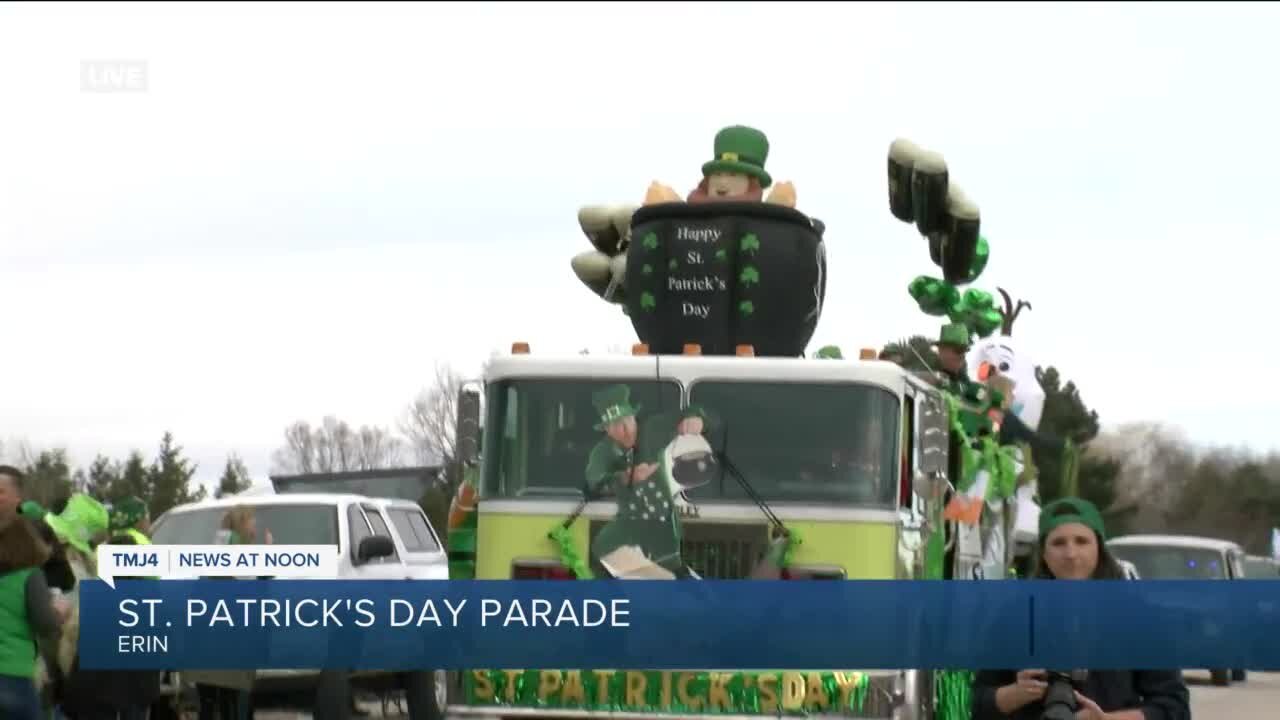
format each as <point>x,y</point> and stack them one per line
<point>749,276</point>
<point>649,241</point>
<point>746,307</point>
<point>721,255</point>
<point>647,301</point>
<point>750,243</point>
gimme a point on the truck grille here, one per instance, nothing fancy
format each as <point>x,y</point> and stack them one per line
<point>718,551</point>
<point>723,552</point>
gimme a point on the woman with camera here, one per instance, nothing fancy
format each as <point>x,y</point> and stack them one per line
<point>1073,547</point>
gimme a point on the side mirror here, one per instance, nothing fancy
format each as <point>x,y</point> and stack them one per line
<point>374,547</point>
<point>935,436</point>
<point>467,435</point>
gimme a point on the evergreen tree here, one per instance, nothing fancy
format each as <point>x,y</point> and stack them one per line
<point>235,478</point>
<point>103,474</point>
<point>49,477</point>
<point>130,480</point>
<point>170,478</point>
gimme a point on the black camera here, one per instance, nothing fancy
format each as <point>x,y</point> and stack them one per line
<point>1060,697</point>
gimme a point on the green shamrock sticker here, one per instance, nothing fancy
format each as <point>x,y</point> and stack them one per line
<point>749,276</point>
<point>750,243</point>
<point>673,264</point>
<point>646,301</point>
<point>721,255</point>
<point>647,269</point>
<point>649,241</point>
<point>746,307</point>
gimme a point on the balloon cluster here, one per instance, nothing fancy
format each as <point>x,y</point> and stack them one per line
<point>604,269</point>
<point>921,193</point>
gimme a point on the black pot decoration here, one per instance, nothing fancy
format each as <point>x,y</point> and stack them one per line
<point>725,274</point>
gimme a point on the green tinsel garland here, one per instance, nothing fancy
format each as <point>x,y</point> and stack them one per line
<point>569,554</point>
<point>1070,470</point>
<point>997,460</point>
<point>954,694</point>
<point>794,540</point>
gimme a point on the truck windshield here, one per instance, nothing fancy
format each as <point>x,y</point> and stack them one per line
<point>1157,562</point>
<point>540,433</point>
<point>803,442</point>
<point>290,524</point>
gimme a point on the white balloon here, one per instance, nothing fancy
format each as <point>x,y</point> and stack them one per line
<point>1002,355</point>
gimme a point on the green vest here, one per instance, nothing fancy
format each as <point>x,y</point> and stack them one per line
<point>17,642</point>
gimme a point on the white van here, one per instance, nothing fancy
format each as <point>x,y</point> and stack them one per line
<point>1184,557</point>
<point>376,539</point>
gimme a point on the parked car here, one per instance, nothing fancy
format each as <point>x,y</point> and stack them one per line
<point>1257,567</point>
<point>1184,557</point>
<point>376,538</point>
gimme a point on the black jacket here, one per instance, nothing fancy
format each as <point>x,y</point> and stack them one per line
<point>1160,694</point>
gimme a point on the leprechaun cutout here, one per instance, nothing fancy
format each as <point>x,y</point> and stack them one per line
<point>650,466</point>
<point>736,173</point>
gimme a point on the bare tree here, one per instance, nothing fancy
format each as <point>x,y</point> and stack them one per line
<point>299,452</point>
<point>377,448</point>
<point>335,446</point>
<point>429,421</point>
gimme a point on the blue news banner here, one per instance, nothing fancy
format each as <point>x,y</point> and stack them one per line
<point>661,625</point>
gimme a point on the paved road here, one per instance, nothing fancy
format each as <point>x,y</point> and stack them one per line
<point>1255,699</point>
<point>1258,697</point>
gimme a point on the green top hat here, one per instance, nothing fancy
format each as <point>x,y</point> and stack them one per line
<point>955,334</point>
<point>80,522</point>
<point>32,510</point>
<point>613,404</point>
<point>126,513</point>
<point>742,150</point>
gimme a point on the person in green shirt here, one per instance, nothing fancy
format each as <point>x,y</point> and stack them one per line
<point>28,614</point>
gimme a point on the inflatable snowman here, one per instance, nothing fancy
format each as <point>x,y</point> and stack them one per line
<point>998,356</point>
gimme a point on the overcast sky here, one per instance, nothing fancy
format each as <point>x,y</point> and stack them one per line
<point>310,204</point>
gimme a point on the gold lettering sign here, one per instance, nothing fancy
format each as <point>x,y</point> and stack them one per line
<point>511,683</point>
<point>768,692</point>
<point>682,691</point>
<point>574,690</point>
<point>548,682</point>
<point>725,693</point>
<point>718,694</point>
<point>636,683</point>
<point>792,691</point>
<point>602,686</point>
<point>483,685</point>
<point>848,682</point>
<point>815,694</point>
